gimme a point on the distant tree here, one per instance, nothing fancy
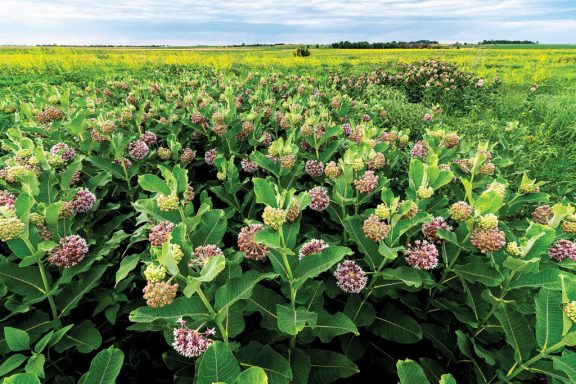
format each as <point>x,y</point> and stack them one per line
<point>385,45</point>
<point>302,52</point>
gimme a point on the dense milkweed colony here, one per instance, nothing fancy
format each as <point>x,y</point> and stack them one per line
<point>261,227</point>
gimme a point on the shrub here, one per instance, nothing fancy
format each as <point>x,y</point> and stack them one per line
<point>410,259</point>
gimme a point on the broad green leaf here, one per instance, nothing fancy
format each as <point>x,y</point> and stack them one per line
<point>181,307</point>
<point>84,336</point>
<point>328,366</point>
<point>127,264</point>
<point>478,272</point>
<point>406,275</point>
<point>17,339</point>
<point>410,372</point>
<point>253,375</point>
<point>353,226</point>
<point>395,325</point>
<point>566,363</point>
<point>105,367</point>
<point>447,379</point>
<point>22,378</point>
<point>548,278</point>
<point>264,192</point>
<point>216,365</point>
<point>70,296</point>
<point>108,166</point>
<point>35,365</point>
<point>518,333</point>
<point>292,321</point>
<point>548,318</point>
<point>239,288</point>
<point>275,365</point>
<point>153,183</point>
<point>329,326</point>
<point>25,281</point>
<point>313,265</point>
<point>212,229</point>
<point>213,267</point>
<point>11,363</point>
<point>489,202</point>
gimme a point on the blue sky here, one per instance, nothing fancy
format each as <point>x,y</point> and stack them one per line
<point>215,22</point>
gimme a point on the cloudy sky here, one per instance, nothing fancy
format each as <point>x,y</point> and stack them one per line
<point>215,22</point>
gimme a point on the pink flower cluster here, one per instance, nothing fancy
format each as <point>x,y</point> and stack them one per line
<point>69,252</point>
<point>160,233</point>
<point>350,277</point>
<point>563,249</point>
<point>320,200</point>
<point>430,229</point>
<point>191,342</point>
<point>312,247</point>
<point>247,244</point>
<point>422,255</point>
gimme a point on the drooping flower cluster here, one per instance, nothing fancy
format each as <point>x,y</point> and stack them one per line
<point>542,214</point>
<point>374,229</point>
<point>159,294</point>
<point>562,249</point>
<point>149,138</point>
<point>249,166</point>
<point>461,211</point>
<point>70,251</point>
<point>320,200</point>
<point>367,183</point>
<point>422,255</point>
<point>332,170</point>
<point>210,156</point>
<point>83,201</point>
<point>376,160</point>
<point>203,253</point>
<point>293,210</point>
<point>64,151</point>
<point>159,234</point>
<point>7,200</point>
<point>312,247</point>
<point>190,342</point>
<point>247,243</point>
<point>138,150</point>
<point>430,229</point>
<point>488,240</point>
<point>164,153</point>
<point>420,150</point>
<point>350,277</point>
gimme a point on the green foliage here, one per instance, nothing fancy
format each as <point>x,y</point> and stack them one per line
<point>166,266</point>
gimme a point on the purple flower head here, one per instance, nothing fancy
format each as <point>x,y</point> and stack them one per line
<point>350,277</point>
<point>160,233</point>
<point>320,200</point>
<point>149,138</point>
<point>312,247</point>
<point>190,342</point>
<point>430,229</point>
<point>563,249</point>
<point>420,150</point>
<point>63,150</point>
<point>138,150</point>
<point>83,200</point>
<point>422,255</point>
<point>314,168</point>
<point>69,252</point>
<point>247,243</point>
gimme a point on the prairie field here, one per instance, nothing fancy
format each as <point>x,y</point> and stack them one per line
<point>242,215</point>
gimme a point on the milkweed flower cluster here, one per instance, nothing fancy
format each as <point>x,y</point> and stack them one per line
<point>168,203</point>
<point>70,251</point>
<point>10,228</point>
<point>430,229</point>
<point>190,342</point>
<point>488,240</point>
<point>570,310</point>
<point>488,221</point>
<point>367,183</point>
<point>314,168</point>
<point>320,200</point>
<point>350,277</point>
<point>542,214</point>
<point>562,249</point>
<point>312,247</point>
<point>160,293</point>
<point>159,234</point>
<point>155,273</point>
<point>62,149</point>
<point>138,150</point>
<point>274,217</point>
<point>374,229</point>
<point>203,253</point>
<point>422,255</point>
<point>83,201</point>
<point>420,150</point>
<point>461,211</point>
<point>247,243</point>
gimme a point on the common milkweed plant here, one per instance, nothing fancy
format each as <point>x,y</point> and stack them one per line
<point>271,228</point>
